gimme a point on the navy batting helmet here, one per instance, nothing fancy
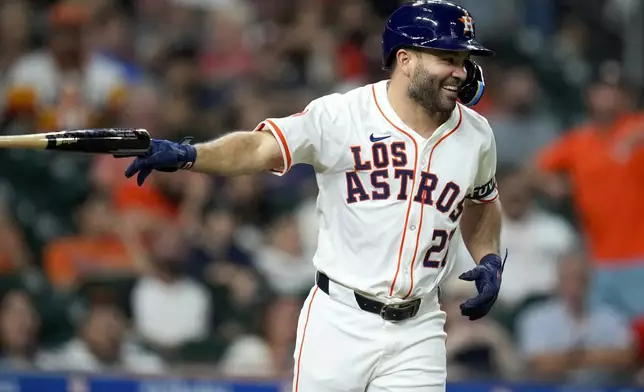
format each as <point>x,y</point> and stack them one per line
<point>433,24</point>
<point>436,24</point>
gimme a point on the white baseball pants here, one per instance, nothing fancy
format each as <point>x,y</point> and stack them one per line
<point>342,348</point>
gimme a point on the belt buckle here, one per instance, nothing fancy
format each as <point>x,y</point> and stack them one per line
<point>403,307</point>
<point>383,311</point>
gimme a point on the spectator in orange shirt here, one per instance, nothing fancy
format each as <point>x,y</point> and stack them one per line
<point>604,170</point>
<point>177,199</point>
<point>96,249</point>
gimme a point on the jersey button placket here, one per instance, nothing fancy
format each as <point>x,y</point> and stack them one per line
<point>427,149</point>
<point>414,224</point>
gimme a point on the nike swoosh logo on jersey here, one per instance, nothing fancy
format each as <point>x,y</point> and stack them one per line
<point>374,139</point>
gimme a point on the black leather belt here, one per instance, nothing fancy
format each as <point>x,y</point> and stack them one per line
<point>387,312</point>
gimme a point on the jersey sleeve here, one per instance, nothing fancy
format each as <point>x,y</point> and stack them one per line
<point>484,189</point>
<point>302,136</point>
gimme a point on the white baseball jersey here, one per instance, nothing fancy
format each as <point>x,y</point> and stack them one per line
<point>390,200</point>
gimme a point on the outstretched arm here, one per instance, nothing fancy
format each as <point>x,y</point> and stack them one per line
<point>234,154</point>
<point>238,153</point>
<point>274,145</point>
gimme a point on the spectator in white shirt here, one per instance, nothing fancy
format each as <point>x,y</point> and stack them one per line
<point>169,308</point>
<point>282,261</point>
<point>102,345</point>
<point>565,340</point>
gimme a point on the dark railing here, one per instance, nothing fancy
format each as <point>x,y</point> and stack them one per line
<point>58,382</point>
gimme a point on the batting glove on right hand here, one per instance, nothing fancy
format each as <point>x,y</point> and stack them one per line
<point>487,277</point>
<point>163,155</point>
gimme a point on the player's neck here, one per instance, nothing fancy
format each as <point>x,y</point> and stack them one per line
<point>411,113</point>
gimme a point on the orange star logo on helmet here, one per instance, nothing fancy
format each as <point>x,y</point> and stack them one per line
<point>468,23</point>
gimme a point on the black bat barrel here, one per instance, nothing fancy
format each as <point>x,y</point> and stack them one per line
<point>119,141</point>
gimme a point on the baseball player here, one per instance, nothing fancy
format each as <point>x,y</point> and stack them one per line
<point>404,171</point>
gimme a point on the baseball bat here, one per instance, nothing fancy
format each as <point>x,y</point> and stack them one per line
<point>116,141</point>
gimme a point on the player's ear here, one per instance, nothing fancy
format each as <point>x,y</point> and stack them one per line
<point>404,61</point>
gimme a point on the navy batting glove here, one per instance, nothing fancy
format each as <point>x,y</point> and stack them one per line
<point>487,277</point>
<point>163,155</point>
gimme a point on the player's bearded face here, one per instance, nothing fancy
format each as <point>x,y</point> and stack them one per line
<point>429,92</point>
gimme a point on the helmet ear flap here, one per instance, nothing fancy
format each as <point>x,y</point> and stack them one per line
<point>472,89</point>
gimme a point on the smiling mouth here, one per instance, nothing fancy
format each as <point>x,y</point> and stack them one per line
<point>451,88</point>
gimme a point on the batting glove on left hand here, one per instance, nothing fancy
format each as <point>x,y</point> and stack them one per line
<point>163,155</point>
<point>487,277</point>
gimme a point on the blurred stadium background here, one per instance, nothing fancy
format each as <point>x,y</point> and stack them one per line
<point>104,284</point>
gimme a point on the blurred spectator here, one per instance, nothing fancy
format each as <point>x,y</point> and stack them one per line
<point>180,70</point>
<point>161,24</point>
<point>112,32</point>
<point>535,239</point>
<point>96,249</point>
<point>157,202</point>
<point>521,122</point>
<point>301,53</point>
<point>14,252</point>
<point>141,109</point>
<point>166,199</point>
<point>249,108</point>
<point>19,327</point>
<point>14,33</point>
<point>603,168</point>
<point>217,258</point>
<point>270,352</point>
<point>169,308</point>
<point>308,223</point>
<point>282,261</point>
<point>475,350</point>
<point>352,29</point>
<point>565,340</point>
<point>571,49</point>
<point>243,196</point>
<point>103,345</point>
<point>227,51</point>
<point>248,356</point>
<point>216,255</point>
<point>217,244</point>
<point>183,93</point>
<point>65,85</point>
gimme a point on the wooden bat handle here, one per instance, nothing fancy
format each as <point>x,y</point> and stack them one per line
<point>31,142</point>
